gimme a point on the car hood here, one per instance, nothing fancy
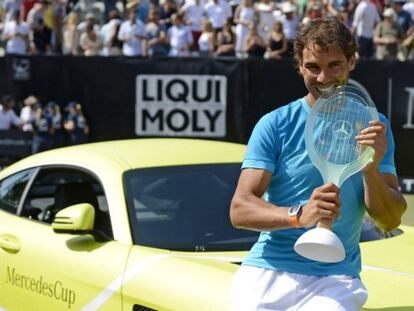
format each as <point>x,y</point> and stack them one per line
<point>388,272</point>
<point>186,280</point>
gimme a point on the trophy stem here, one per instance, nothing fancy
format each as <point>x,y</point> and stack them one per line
<point>324,223</point>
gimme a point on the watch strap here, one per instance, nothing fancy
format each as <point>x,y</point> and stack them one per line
<point>294,221</point>
<point>294,214</point>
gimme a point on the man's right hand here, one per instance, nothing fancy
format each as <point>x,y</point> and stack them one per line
<point>324,203</point>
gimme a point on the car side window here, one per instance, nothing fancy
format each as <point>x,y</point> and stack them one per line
<point>11,190</point>
<point>54,189</point>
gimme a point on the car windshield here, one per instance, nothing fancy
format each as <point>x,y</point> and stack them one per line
<point>185,207</point>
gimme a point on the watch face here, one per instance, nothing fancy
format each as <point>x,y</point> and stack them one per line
<point>294,210</point>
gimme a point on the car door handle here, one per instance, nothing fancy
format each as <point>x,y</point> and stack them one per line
<point>9,243</point>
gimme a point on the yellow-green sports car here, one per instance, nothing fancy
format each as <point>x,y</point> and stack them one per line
<point>143,225</point>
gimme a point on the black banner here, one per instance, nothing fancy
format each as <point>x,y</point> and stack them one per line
<point>193,97</point>
<point>15,144</point>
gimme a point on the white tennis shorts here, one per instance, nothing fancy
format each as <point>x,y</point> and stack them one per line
<point>261,289</point>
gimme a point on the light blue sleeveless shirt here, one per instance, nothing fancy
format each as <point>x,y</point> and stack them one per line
<point>277,145</point>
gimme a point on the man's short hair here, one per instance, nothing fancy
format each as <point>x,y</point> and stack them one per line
<point>7,98</point>
<point>324,33</point>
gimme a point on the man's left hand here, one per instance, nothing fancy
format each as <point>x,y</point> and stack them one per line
<point>375,137</point>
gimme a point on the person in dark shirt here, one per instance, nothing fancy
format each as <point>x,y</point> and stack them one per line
<point>75,124</point>
<point>157,42</point>
<point>403,18</point>
<point>43,129</point>
<point>254,45</point>
<point>42,36</point>
<point>57,123</point>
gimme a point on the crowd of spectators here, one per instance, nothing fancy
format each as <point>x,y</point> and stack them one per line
<point>48,126</point>
<point>205,28</point>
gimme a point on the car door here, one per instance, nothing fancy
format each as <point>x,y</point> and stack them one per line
<point>59,271</point>
<point>11,191</point>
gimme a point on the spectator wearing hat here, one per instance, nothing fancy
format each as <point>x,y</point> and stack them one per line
<point>43,129</point>
<point>388,34</point>
<point>89,19</point>
<point>366,18</point>
<point>75,124</point>
<point>8,117</point>
<point>402,17</point>
<point>28,113</point>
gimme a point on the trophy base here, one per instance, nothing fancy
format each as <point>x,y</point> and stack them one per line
<point>320,244</point>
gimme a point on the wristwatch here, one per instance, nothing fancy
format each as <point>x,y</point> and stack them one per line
<point>294,213</point>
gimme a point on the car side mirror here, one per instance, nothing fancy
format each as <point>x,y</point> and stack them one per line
<point>74,219</point>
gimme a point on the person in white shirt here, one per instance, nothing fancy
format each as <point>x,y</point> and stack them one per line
<point>89,18</point>
<point>218,11</point>
<point>28,113</point>
<point>180,37</point>
<point>71,35</point>
<point>193,14</point>
<point>265,9</point>
<point>206,40</point>
<point>366,18</point>
<point>8,117</point>
<point>132,34</point>
<point>16,33</point>
<point>109,34</point>
<point>243,18</point>
<point>90,41</point>
<point>409,7</point>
